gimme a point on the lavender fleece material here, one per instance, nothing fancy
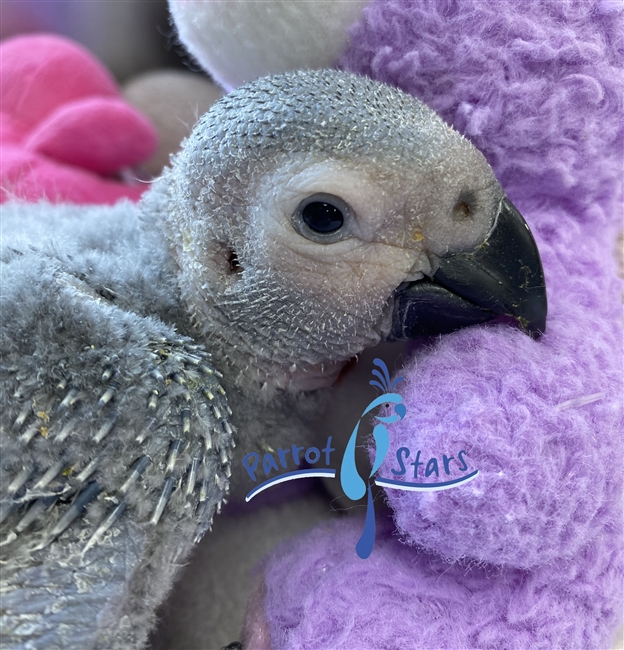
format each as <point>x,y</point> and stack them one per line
<point>529,554</point>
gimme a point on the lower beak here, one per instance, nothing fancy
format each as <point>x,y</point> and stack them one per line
<point>502,276</point>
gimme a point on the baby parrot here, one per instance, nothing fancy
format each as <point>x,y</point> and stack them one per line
<point>309,216</point>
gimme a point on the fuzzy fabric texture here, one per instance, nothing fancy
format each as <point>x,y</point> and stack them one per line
<point>529,554</point>
<point>237,42</point>
<point>66,134</point>
<point>323,596</point>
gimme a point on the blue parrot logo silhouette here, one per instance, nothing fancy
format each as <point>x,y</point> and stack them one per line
<point>352,483</point>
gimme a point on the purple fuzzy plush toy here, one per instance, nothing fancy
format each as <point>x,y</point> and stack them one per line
<point>529,554</point>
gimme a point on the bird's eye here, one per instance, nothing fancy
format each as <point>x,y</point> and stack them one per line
<point>321,217</point>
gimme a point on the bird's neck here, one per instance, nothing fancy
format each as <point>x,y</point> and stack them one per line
<point>259,374</point>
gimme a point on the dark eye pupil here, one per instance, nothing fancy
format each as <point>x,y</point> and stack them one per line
<point>322,217</point>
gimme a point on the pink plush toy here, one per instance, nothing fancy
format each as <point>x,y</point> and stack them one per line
<point>66,134</point>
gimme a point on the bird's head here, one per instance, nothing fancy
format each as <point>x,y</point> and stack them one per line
<point>314,214</point>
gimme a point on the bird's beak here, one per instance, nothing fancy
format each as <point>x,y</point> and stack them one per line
<point>502,275</point>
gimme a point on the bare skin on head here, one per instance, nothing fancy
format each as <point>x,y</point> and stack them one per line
<point>410,189</point>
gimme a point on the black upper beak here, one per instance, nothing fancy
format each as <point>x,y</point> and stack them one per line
<point>503,275</point>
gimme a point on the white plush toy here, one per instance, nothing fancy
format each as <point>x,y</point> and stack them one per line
<point>237,42</point>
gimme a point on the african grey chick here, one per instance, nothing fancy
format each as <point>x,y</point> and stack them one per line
<point>309,216</point>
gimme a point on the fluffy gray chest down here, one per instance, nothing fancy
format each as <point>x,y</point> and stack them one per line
<point>116,438</point>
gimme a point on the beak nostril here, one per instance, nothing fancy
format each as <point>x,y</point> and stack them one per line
<point>501,276</point>
<point>461,211</point>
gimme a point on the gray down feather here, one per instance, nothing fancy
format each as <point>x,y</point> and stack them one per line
<point>139,342</point>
